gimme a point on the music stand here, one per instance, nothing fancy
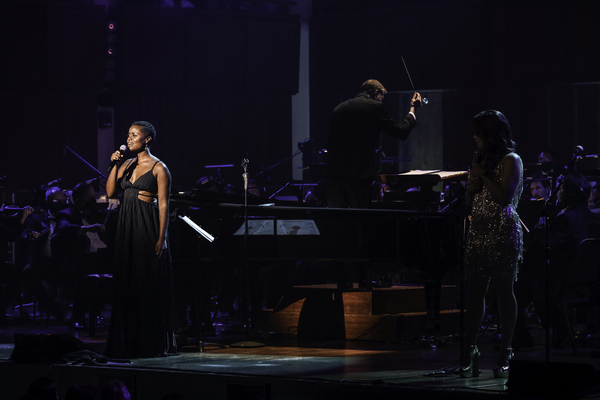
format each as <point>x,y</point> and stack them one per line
<point>197,228</point>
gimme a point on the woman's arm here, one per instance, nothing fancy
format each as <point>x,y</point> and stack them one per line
<point>502,192</point>
<point>474,186</point>
<point>163,177</point>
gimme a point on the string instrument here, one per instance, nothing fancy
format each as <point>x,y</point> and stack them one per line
<point>11,210</point>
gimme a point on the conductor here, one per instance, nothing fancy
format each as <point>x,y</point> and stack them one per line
<point>354,129</point>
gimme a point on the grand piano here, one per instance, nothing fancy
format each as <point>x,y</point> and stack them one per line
<point>280,230</point>
<point>299,241</point>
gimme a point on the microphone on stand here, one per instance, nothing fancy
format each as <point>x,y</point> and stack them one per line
<point>54,182</point>
<point>93,180</point>
<point>121,150</point>
<point>578,150</point>
<point>245,174</point>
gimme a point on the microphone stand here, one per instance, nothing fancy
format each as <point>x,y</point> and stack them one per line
<point>100,174</point>
<point>279,163</point>
<point>203,278</point>
<point>245,302</point>
<point>250,151</point>
<point>551,203</point>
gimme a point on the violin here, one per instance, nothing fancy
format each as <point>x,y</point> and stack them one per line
<point>13,211</point>
<point>4,209</point>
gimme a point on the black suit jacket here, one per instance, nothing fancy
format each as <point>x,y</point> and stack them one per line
<point>354,129</point>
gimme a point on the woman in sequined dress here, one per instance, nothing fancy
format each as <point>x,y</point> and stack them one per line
<point>495,240</point>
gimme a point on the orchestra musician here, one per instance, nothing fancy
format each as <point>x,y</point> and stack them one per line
<point>573,222</point>
<point>10,275</point>
<point>41,267</point>
<point>76,243</point>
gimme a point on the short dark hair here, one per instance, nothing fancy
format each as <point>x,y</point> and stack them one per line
<point>114,389</point>
<point>372,86</point>
<point>147,128</point>
<point>79,189</point>
<point>577,189</point>
<point>546,150</point>
<point>545,182</point>
<point>51,191</point>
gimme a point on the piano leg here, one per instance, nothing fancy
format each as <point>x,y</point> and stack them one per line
<point>433,295</point>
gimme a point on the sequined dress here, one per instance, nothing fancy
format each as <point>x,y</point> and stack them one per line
<point>140,325</point>
<point>495,237</point>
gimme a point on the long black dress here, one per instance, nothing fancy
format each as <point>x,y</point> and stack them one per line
<point>140,324</point>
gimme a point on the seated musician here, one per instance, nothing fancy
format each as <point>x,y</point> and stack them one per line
<point>76,243</point>
<point>10,275</point>
<point>533,209</point>
<point>573,223</point>
<point>41,267</point>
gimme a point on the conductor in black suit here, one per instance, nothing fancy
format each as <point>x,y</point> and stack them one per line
<point>354,129</point>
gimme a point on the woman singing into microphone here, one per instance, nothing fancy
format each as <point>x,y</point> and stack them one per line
<point>140,325</point>
<point>495,240</point>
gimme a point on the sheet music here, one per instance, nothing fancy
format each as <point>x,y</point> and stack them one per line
<point>285,227</point>
<point>436,172</point>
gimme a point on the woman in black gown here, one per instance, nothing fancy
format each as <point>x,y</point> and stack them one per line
<point>140,324</point>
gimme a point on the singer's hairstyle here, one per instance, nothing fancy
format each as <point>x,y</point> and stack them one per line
<point>493,128</point>
<point>576,190</point>
<point>80,189</point>
<point>372,87</point>
<point>147,128</point>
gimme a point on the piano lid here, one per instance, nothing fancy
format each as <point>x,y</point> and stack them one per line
<point>422,176</point>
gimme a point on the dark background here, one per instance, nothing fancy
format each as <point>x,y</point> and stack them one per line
<point>217,80</point>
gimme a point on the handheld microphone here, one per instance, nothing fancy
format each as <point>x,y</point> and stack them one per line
<point>478,156</point>
<point>121,150</point>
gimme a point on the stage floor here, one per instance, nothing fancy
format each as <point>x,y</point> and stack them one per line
<point>286,368</point>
